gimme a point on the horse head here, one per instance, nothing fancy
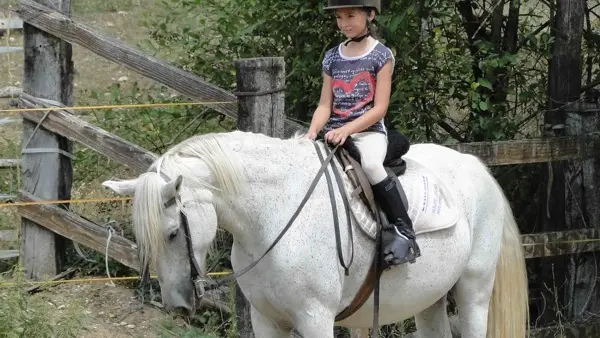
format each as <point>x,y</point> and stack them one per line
<point>174,227</point>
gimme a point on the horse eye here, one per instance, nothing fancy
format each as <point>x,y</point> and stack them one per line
<point>173,234</point>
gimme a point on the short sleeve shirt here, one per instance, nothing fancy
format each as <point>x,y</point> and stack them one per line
<point>354,81</point>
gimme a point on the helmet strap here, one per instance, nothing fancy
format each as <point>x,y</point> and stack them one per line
<point>360,38</point>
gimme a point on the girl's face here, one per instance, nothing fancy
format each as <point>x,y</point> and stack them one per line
<point>353,21</point>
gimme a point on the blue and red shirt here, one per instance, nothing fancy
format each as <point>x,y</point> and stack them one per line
<point>354,81</point>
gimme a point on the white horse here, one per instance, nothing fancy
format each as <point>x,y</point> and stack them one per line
<point>250,185</point>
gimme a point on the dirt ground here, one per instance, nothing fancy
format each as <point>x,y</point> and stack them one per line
<point>109,311</point>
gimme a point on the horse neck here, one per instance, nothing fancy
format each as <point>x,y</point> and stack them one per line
<point>278,174</point>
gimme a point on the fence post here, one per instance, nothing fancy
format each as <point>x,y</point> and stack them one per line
<point>582,203</point>
<point>46,165</point>
<point>261,97</point>
<point>261,100</point>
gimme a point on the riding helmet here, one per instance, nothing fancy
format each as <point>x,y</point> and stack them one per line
<point>333,4</point>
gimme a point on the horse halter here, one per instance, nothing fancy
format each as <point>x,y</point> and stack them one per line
<point>197,281</point>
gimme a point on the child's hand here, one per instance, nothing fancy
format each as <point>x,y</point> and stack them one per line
<point>337,136</point>
<point>311,135</point>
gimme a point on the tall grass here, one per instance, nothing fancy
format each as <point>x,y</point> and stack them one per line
<point>22,315</point>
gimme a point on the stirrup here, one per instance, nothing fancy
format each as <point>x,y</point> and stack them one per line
<point>399,248</point>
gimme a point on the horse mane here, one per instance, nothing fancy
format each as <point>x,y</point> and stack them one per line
<point>182,159</point>
<point>212,150</point>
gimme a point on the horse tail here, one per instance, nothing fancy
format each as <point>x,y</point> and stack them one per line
<point>509,306</point>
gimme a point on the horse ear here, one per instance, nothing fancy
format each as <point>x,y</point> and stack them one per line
<point>126,187</point>
<point>171,190</point>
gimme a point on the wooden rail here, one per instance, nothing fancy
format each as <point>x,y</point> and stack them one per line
<point>533,150</point>
<point>9,163</point>
<point>547,244</point>
<point>80,230</point>
<point>8,254</point>
<point>8,235</point>
<point>98,139</point>
<point>11,24</point>
<point>10,49</point>
<point>65,28</point>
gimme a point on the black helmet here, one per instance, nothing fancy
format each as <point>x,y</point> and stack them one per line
<point>333,4</point>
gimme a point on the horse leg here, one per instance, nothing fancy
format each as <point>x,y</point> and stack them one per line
<point>266,327</point>
<point>315,323</point>
<point>472,294</point>
<point>433,322</point>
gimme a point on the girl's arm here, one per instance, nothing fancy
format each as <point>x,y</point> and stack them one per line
<point>382,100</point>
<point>323,111</point>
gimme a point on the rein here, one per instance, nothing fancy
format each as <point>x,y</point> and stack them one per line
<point>201,285</point>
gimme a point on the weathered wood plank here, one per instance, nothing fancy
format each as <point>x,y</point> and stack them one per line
<point>10,49</point>
<point>533,150</point>
<point>13,23</point>
<point>107,144</point>
<point>265,113</point>
<point>8,254</point>
<point>48,74</point>
<point>561,242</point>
<point>9,163</point>
<point>114,50</point>
<point>8,235</point>
<point>6,121</point>
<point>80,230</point>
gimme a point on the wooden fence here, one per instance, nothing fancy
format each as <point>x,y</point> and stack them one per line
<point>45,225</point>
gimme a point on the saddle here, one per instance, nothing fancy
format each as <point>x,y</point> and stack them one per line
<point>349,157</point>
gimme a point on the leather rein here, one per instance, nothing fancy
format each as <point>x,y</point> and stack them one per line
<point>202,285</point>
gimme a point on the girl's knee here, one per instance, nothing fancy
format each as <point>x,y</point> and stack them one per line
<point>372,166</point>
<point>374,171</point>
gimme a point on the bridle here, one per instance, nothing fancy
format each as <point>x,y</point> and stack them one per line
<point>200,284</point>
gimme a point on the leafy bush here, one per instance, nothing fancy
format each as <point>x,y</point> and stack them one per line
<point>447,87</point>
<point>436,80</point>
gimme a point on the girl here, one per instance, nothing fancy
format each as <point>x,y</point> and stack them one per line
<point>356,88</point>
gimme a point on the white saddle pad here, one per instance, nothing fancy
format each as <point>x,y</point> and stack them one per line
<point>431,207</point>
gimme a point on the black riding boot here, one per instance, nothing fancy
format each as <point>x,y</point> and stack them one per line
<point>398,243</point>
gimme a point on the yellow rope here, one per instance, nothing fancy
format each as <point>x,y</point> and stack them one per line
<point>115,106</point>
<point>96,280</point>
<point>81,200</point>
<point>589,240</point>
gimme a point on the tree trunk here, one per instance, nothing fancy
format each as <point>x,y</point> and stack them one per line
<point>564,87</point>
